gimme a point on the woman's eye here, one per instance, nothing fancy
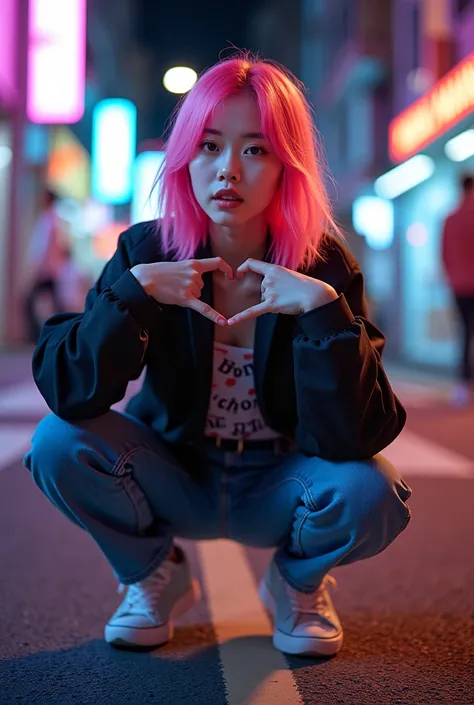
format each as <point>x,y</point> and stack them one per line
<point>257,151</point>
<point>208,146</point>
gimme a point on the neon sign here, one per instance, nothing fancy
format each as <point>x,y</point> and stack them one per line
<point>8,31</point>
<point>56,61</point>
<point>450,100</point>
<point>114,126</point>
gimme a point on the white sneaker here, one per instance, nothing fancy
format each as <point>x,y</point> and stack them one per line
<point>304,624</point>
<point>145,617</point>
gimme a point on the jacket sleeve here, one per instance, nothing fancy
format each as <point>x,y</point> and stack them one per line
<point>84,361</point>
<point>346,406</point>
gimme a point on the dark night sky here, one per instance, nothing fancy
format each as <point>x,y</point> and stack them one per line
<point>193,29</point>
<point>190,32</point>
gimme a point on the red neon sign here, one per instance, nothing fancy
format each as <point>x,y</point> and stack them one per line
<point>450,100</point>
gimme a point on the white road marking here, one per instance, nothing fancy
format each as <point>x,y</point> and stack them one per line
<point>255,673</point>
<point>14,442</point>
<point>420,397</point>
<point>413,455</point>
<point>20,399</point>
<point>23,399</point>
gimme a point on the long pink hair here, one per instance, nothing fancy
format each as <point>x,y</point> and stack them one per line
<point>300,212</point>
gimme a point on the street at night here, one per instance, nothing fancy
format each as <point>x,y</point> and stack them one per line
<point>237,352</point>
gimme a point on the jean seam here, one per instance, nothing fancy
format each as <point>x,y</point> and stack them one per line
<point>117,467</point>
<point>300,529</point>
<point>125,479</point>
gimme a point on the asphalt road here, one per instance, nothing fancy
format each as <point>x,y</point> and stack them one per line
<point>408,613</point>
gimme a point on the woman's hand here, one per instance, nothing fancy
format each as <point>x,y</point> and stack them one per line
<point>283,291</point>
<point>181,283</point>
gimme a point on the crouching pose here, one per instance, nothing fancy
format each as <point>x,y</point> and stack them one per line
<point>264,405</point>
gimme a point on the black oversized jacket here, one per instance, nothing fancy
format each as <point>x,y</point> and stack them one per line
<point>318,376</point>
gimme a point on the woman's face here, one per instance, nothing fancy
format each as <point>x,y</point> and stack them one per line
<point>234,154</point>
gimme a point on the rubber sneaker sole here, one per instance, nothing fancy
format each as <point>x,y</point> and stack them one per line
<point>127,637</point>
<point>299,645</point>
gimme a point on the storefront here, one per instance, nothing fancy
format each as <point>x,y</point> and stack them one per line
<point>433,144</point>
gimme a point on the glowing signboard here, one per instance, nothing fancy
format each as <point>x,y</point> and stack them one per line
<point>450,100</point>
<point>8,39</point>
<point>144,199</point>
<point>56,61</point>
<point>114,126</point>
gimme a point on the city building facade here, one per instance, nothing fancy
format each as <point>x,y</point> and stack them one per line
<point>433,105</point>
<point>390,81</point>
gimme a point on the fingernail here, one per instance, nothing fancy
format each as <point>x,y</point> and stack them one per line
<point>221,321</point>
<point>230,321</point>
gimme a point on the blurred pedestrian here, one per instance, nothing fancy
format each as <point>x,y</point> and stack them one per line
<point>71,283</point>
<point>265,402</point>
<point>45,257</point>
<point>458,261</point>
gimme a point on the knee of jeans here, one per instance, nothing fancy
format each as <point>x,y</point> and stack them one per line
<point>375,494</point>
<point>51,449</point>
<point>363,504</point>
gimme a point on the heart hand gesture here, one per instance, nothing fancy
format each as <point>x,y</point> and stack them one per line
<point>181,283</point>
<point>283,291</point>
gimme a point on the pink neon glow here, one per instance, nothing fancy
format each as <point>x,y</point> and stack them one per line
<point>56,61</point>
<point>8,43</point>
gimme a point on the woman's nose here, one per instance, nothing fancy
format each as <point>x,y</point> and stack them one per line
<point>229,169</point>
<point>227,175</point>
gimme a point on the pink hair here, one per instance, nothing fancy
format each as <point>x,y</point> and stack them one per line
<point>300,213</point>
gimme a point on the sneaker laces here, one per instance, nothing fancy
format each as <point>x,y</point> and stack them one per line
<point>313,602</point>
<point>144,596</point>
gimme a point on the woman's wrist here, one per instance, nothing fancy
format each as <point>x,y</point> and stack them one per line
<point>323,296</point>
<point>139,272</point>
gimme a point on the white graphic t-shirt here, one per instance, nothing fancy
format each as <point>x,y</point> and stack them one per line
<point>233,408</point>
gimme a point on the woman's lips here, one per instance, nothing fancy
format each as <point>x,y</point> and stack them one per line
<point>227,203</point>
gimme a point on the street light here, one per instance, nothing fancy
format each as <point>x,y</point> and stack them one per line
<point>179,79</point>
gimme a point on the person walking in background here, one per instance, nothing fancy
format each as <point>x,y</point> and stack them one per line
<point>71,283</point>
<point>45,258</point>
<point>265,403</point>
<point>458,262</point>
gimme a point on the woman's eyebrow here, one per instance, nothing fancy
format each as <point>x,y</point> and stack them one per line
<point>247,135</point>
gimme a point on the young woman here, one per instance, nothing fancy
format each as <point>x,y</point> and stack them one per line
<point>265,403</point>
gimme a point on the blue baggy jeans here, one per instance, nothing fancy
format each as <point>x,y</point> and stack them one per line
<point>115,478</point>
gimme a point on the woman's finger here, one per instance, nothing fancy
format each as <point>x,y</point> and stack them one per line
<point>210,264</point>
<point>195,290</point>
<point>252,312</point>
<point>206,310</point>
<point>255,265</point>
